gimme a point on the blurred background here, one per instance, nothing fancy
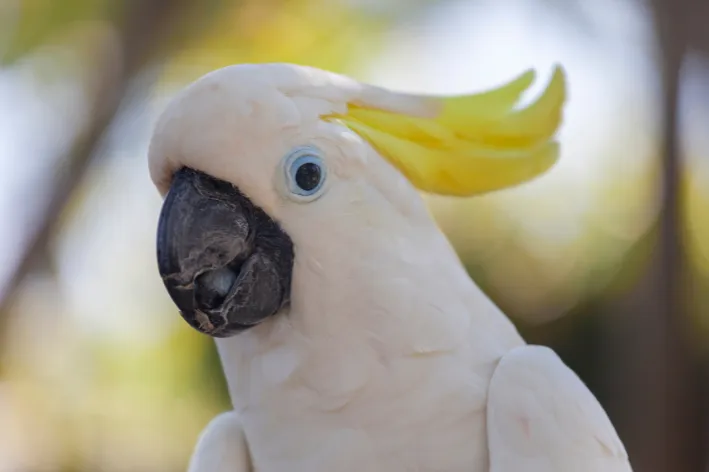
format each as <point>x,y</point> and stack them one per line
<point>606,258</point>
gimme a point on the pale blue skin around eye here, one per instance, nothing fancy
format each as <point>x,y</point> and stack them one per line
<point>295,161</point>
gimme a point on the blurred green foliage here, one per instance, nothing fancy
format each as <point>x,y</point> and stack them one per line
<point>39,22</point>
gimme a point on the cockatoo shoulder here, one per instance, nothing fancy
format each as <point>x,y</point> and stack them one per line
<point>542,418</point>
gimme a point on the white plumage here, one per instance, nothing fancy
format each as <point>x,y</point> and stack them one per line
<point>389,358</point>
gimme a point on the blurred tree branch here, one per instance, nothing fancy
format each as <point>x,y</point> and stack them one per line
<point>144,29</point>
<point>652,368</point>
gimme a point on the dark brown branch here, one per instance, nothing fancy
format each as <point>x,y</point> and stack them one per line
<point>656,402</point>
<point>142,33</point>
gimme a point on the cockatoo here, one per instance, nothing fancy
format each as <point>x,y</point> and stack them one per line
<point>352,339</point>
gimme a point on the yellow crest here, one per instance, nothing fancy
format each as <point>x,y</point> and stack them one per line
<point>476,143</point>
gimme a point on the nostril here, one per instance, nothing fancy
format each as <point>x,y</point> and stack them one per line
<point>212,287</point>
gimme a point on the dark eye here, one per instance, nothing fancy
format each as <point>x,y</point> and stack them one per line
<point>307,176</point>
<point>305,173</point>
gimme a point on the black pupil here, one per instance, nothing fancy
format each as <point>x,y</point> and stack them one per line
<point>308,176</point>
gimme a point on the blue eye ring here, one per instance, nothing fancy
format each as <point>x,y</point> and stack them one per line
<point>305,173</point>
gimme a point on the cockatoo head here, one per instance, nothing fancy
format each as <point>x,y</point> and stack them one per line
<point>271,166</point>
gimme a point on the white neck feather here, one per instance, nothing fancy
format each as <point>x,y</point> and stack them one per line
<point>385,298</point>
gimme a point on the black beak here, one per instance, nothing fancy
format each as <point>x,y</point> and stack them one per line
<point>224,262</point>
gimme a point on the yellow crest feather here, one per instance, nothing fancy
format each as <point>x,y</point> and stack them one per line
<point>476,143</point>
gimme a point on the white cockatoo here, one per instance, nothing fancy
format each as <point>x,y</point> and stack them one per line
<point>351,336</point>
